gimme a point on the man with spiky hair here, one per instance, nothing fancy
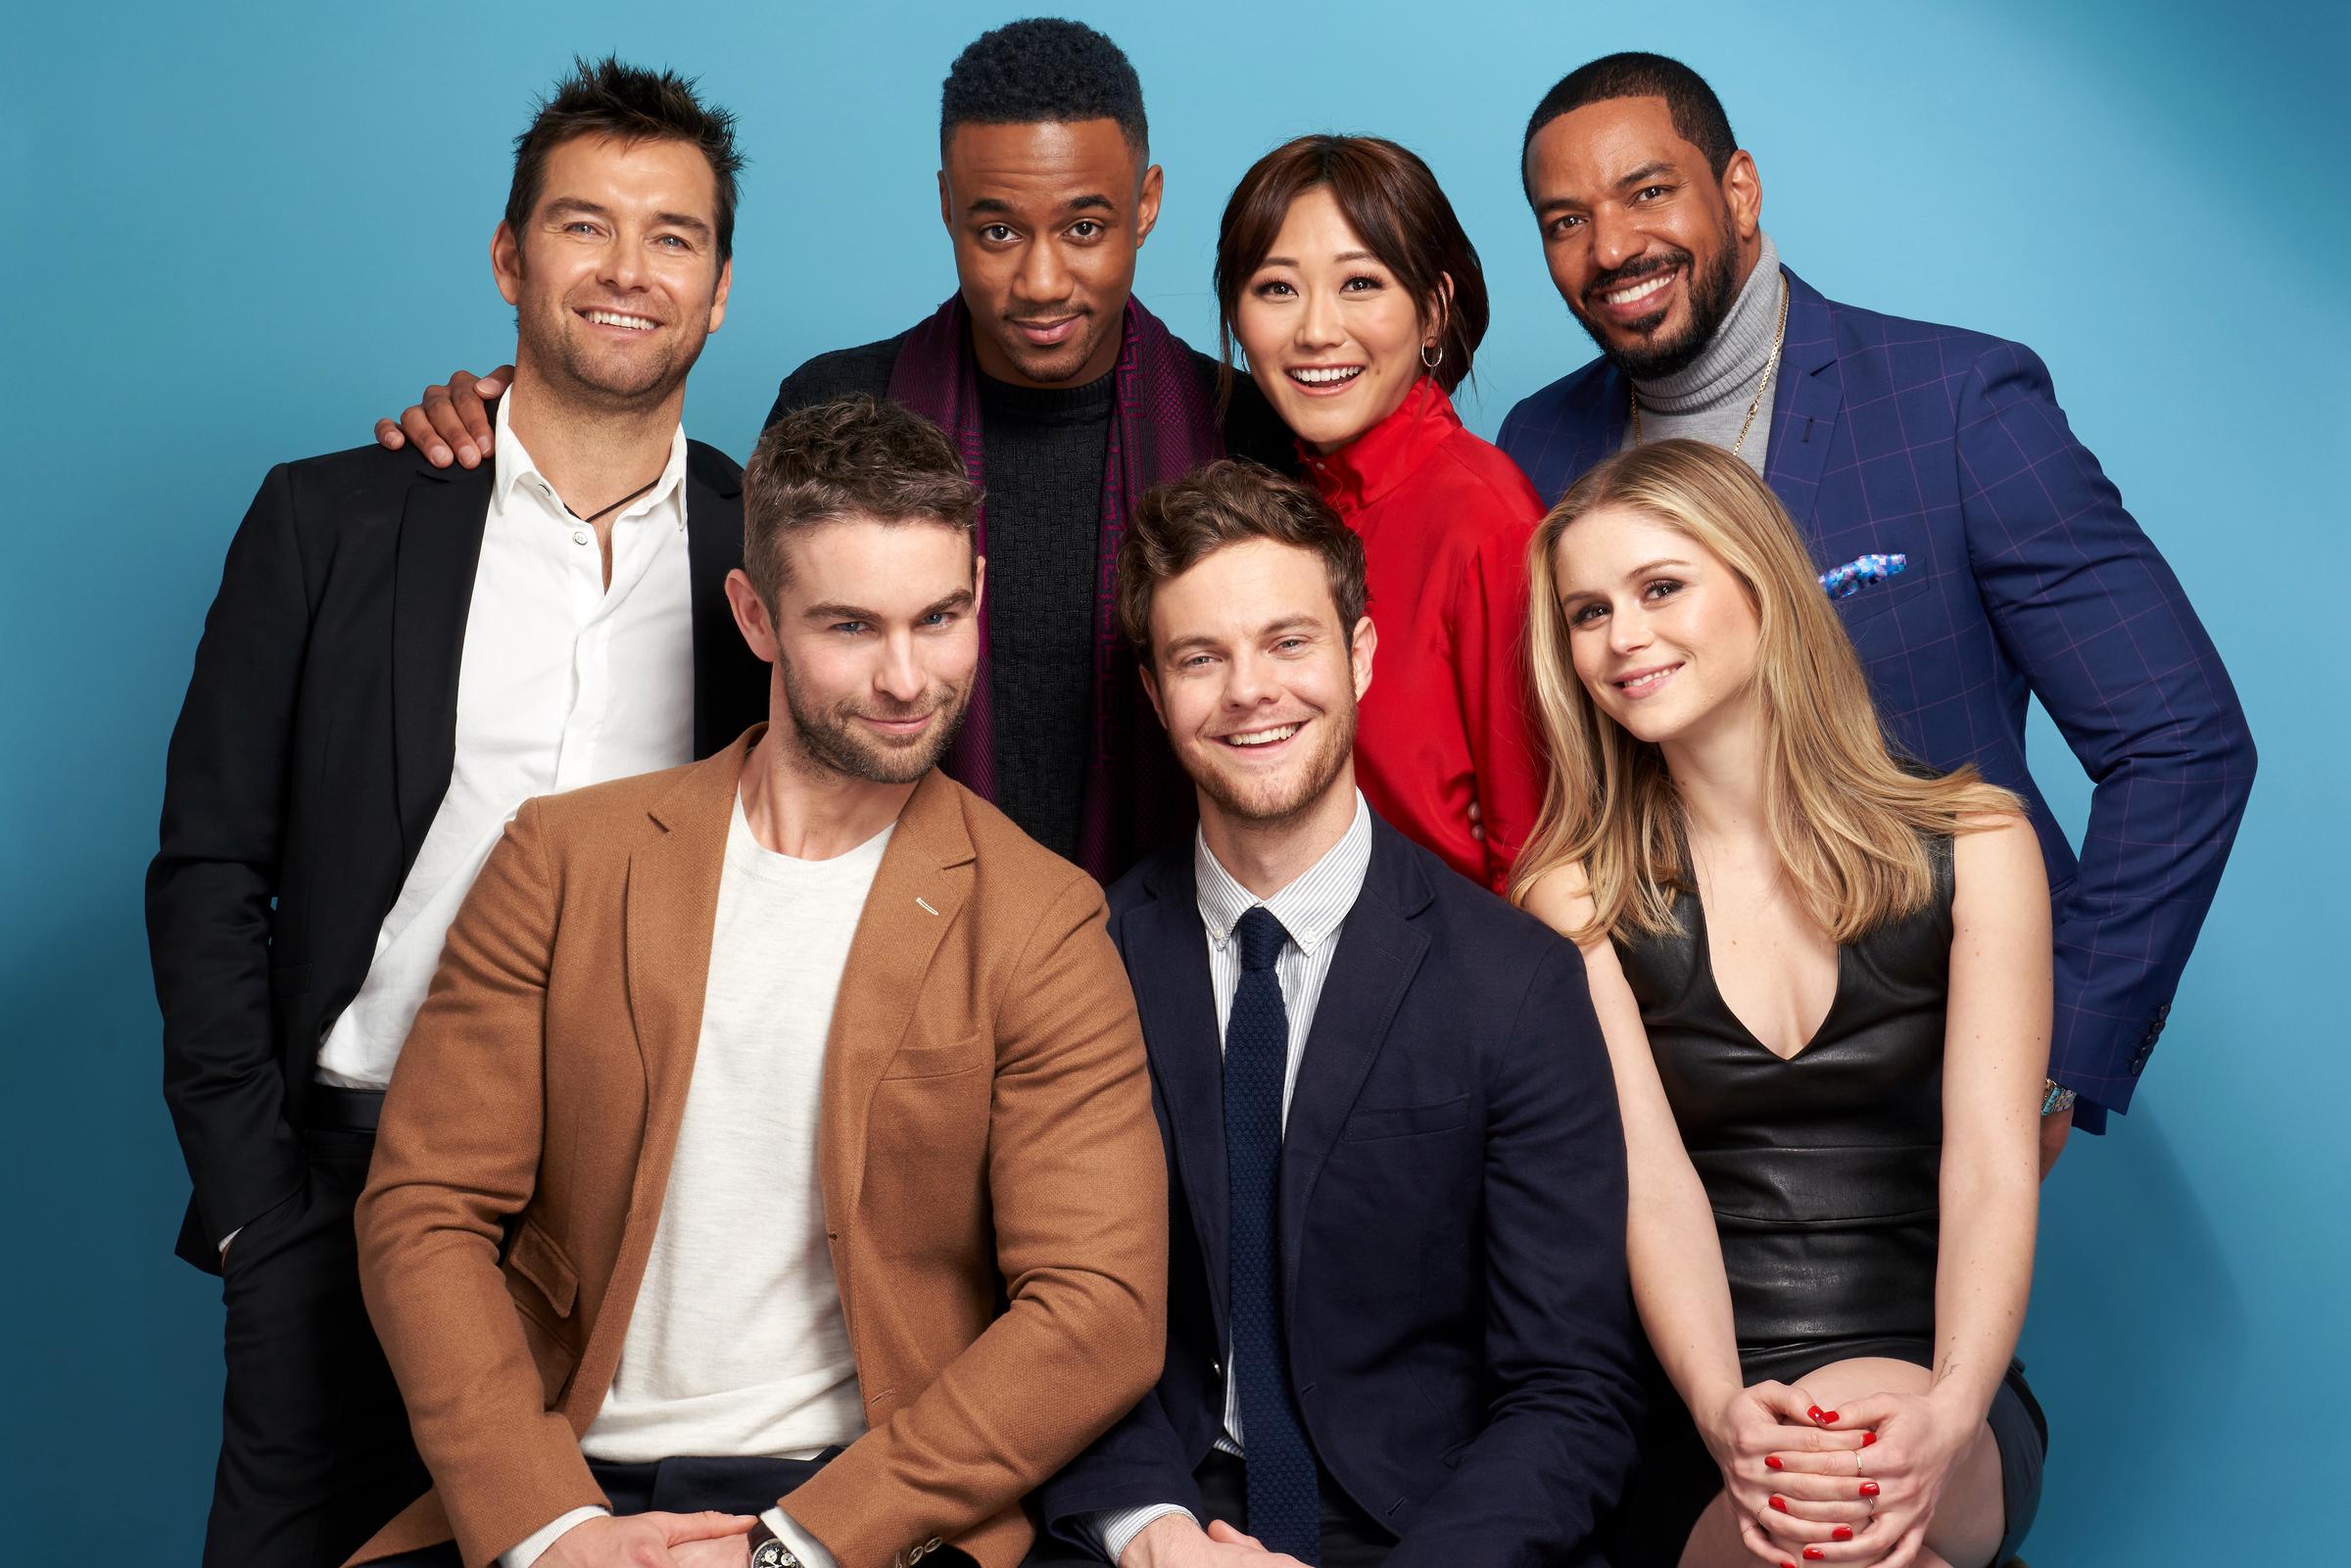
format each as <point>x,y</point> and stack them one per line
<point>397,658</point>
<point>1067,400</point>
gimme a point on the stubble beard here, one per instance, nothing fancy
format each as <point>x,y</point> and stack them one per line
<point>1711,290</point>
<point>828,738</point>
<point>1267,807</point>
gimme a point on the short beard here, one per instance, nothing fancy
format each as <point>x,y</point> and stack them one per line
<point>1711,293</point>
<point>828,738</point>
<point>1270,811</point>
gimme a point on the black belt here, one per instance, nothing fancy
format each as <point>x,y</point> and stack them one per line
<point>343,1110</point>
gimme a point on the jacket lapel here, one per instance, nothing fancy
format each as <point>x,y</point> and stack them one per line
<point>1804,414</point>
<point>1378,954</point>
<point>917,894</point>
<point>1166,960</point>
<point>730,685</point>
<point>432,591</point>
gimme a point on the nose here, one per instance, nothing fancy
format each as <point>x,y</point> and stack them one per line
<point>1319,324</point>
<point>1042,279</point>
<point>1616,238</point>
<point>1248,681</point>
<point>624,263</point>
<point>901,677</point>
<point>1628,630</point>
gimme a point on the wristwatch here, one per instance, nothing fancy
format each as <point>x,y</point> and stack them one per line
<point>2054,1097</point>
<point>769,1553</point>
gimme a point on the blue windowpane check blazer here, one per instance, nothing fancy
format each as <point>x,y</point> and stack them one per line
<point>2023,577</point>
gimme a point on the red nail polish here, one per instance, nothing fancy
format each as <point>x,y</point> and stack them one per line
<point>1785,1563</point>
<point>1842,1533</point>
<point>1779,1502</point>
<point>1868,1438</point>
<point>1828,1415</point>
<point>1869,1488</point>
<point>1815,1554</point>
<point>1813,1411</point>
<point>1771,1462</point>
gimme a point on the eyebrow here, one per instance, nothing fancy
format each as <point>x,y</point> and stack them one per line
<point>835,611</point>
<point>564,206</point>
<point>1643,570</point>
<point>1090,200</point>
<point>1343,256</point>
<point>1647,171</point>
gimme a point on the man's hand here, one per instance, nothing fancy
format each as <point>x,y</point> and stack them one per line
<point>454,415</point>
<point>653,1540</point>
<point>1174,1540</point>
<point>2054,1130</point>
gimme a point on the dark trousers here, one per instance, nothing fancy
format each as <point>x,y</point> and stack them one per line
<point>680,1486</point>
<point>1350,1536</point>
<point>315,1447</point>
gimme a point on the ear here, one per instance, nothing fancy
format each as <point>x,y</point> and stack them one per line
<point>1438,312</point>
<point>946,214</point>
<point>1360,649</point>
<point>1150,677</point>
<point>978,583</point>
<point>718,300</point>
<point>1743,188</point>
<point>750,615</point>
<point>1146,204</point>
<point>505,262</point>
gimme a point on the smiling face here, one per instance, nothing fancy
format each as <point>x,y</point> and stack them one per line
<point>615,280</point>
<point>1047,219</point>
<point>1664,635</point>
<point>875,635</point>
<point>1645,242</point>
<point>1333,341</point>
<point>1257,681</point>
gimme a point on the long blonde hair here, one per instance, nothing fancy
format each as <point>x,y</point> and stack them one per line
<point>1845,816</point>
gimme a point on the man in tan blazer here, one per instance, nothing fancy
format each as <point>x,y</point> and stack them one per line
<point>770,1177</point>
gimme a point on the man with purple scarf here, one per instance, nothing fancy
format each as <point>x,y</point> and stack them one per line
<point>1067,400</point>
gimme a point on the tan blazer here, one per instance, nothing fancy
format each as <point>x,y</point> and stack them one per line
<point>985,1124</point>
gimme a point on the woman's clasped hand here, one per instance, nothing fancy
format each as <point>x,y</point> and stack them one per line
<point>1857,1484</point>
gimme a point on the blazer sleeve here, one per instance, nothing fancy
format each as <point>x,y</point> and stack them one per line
<point>457,1157</point>
<point>1489,634</point>
<point>1077,1183</point>
<point>1560,1337</point>
<point>2105,636</point>
<point>216,870</point>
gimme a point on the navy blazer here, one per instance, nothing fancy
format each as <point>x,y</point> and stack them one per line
<point>2025,578</point>
<point>1455,1304</point>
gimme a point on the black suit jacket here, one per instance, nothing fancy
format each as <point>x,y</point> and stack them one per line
<point>310,754</point>
<point>1456,1302</point>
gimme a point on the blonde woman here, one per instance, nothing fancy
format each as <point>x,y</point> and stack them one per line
<point>1824,979</point>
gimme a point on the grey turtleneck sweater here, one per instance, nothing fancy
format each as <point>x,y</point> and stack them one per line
<point>1707,401</point>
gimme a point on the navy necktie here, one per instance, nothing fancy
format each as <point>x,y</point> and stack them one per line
<point>1284,1495</point>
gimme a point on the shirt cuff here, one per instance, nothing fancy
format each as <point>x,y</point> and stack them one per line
<point>804,1545</point>
<point>231,1236</point>
<point>1115,1528</point>
<point>533,1546</point>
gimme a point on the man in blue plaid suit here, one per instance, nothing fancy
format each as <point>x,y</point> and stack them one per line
<point>1977,553</point>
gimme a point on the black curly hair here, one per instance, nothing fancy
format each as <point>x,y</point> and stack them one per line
<point>1043,70</point>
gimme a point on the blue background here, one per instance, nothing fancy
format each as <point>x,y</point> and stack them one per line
<point>236,236</point>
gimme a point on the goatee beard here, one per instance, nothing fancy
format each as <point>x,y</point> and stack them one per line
<point>1711,294</point>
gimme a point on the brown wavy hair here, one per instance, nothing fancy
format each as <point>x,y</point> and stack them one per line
<point>1850,819</point>
<point>1395,206</point>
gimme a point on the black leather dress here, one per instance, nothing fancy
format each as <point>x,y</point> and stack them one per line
<point>1822,1169</point>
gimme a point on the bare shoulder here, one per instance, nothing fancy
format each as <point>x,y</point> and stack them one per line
<point>1996,864</point>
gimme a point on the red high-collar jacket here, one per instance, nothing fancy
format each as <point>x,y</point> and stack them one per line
<point>1445,520</point>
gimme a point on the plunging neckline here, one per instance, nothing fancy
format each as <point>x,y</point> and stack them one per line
<point>1706,965</point>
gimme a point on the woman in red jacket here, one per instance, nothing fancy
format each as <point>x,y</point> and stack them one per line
<point>1349,284</point>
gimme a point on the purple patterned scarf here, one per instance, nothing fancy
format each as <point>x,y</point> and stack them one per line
<point>1163,426</point>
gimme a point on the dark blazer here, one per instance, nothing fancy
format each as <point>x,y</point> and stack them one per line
<point>1457,1314</point>
<point>310,757</point>
<point>2024,578</point>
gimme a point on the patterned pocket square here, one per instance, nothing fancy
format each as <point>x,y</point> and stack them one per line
<point>1843,582</point>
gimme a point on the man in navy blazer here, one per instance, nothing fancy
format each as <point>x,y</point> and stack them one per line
<point>1979,555</point>
<point>1399,1326</point>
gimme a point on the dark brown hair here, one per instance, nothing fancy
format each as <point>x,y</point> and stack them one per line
<point>1395,206</point>
<point>605,98</point>
<point>850,457</point>
<point>1232,501</point>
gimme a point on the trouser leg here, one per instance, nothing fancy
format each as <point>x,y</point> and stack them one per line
<point>315,1447</point>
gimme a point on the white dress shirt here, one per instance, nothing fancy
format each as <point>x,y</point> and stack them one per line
<point>563,682</point>
<point>736,1344</point>
<point>1311,910</point>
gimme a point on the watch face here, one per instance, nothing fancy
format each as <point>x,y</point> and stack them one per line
<point>774,1554</point>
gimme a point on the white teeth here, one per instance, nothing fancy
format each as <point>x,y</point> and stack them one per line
<point>1263,737</point>
<point>1645,682</point>
<point>613,318</point>
<point>1639,291</point>
<point>1321,377</point>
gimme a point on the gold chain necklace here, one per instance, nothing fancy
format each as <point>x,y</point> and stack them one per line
<point>1770,369</point>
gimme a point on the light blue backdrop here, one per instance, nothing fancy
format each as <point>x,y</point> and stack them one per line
<point>234,235</point>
